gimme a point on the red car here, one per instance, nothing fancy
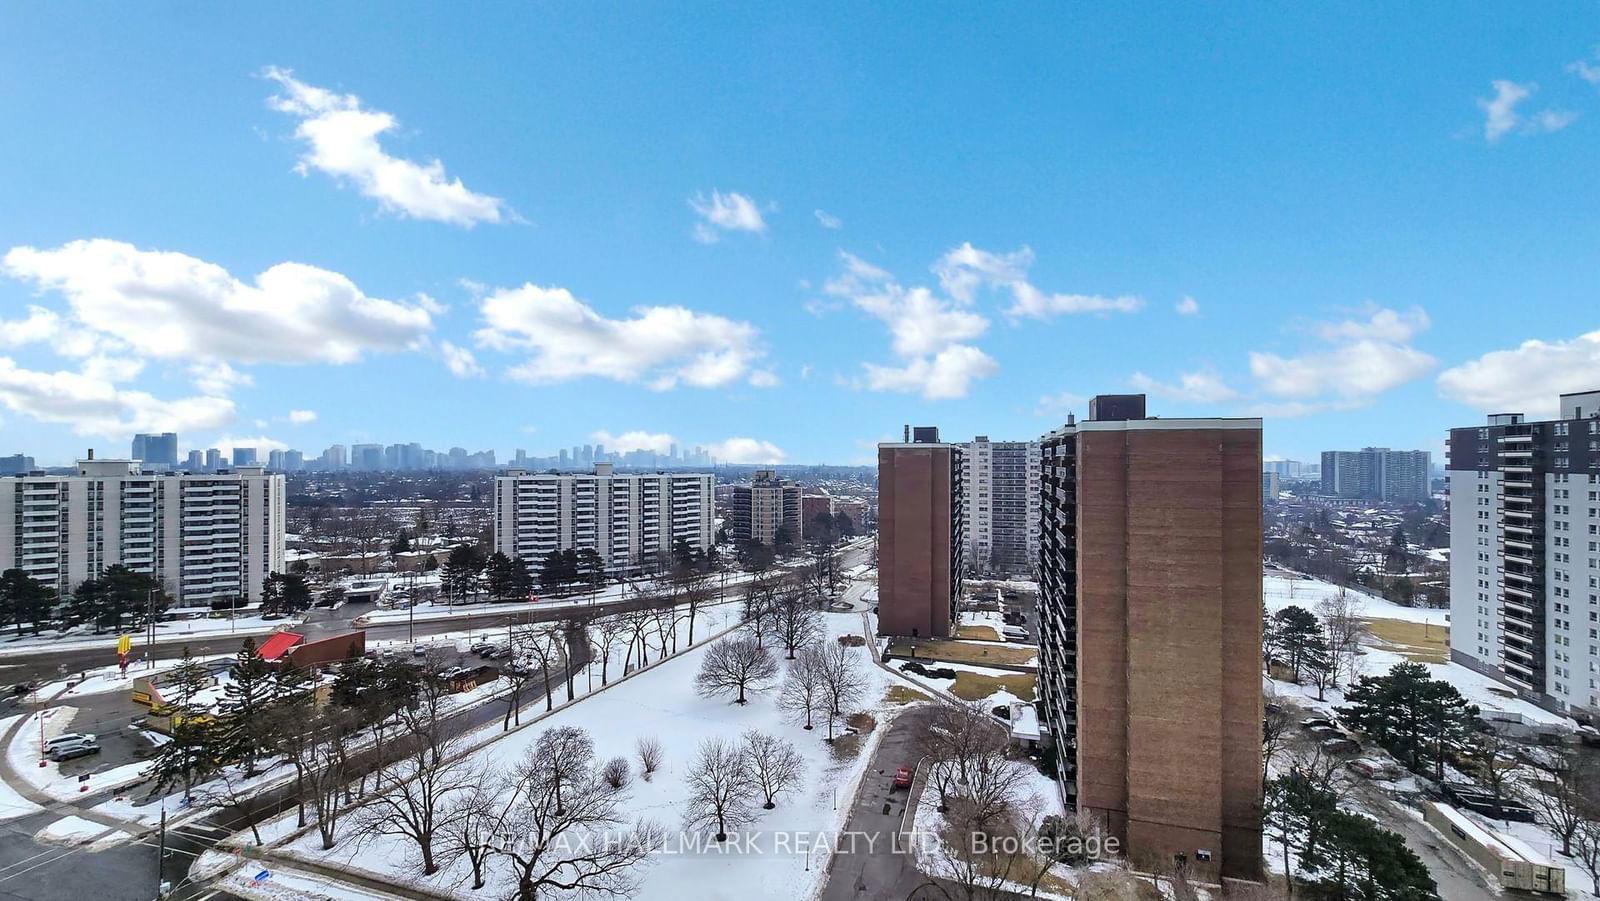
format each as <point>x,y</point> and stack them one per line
<point>902,778</point>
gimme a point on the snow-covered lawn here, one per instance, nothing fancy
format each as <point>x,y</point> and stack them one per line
<point>1281,588</point>
<point>661,703</point>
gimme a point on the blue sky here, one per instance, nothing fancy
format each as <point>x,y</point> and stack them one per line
<point>785,232</point>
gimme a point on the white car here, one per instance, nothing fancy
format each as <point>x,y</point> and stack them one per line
<point>1014,633</point>
<point>68,738</point>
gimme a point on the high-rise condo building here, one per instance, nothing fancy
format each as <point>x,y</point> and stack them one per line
<point>1525,553</point>
<point>1378,474</point>
<point>632,521</point>
<point>766,510</point>
<point>16,464</point>
<point>156,450</point>
<point>204,536</point>
<point>1150,631</point>
<point>1001,482</point>
<point>213,459</point>
<point>244,456</point>
<point>921,535</point>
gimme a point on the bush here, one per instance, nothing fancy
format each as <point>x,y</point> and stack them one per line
<point>852,641</point>
<point>615,772</point>
<point>935,672</point>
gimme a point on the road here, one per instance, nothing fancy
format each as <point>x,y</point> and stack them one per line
<point>51,664</point>
<point>1458,880</point>
<point>875,866</point>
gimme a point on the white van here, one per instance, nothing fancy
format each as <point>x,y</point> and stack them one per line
<point>68,738</point>
<point>1015,633</point>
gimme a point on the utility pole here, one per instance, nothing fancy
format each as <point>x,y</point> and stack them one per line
<point>150,626</point>
<point>161,854</point>
<point>411,620</point>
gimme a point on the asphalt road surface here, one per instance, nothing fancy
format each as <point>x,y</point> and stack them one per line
<point>873,865</point>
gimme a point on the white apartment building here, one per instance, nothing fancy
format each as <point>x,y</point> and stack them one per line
<point>204,536</point>
<point>1525,553</point>
<point>1001,481</point>
<point>632,521</point>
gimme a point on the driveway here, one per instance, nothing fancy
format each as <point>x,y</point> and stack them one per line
<point>874,865</point>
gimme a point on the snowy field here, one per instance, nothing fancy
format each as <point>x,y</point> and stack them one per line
<point>1281,588</point>
<point>661,703</point>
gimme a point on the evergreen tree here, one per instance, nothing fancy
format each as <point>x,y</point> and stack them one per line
<point>245,699</point>
<point>591,568</point>
<point>189,755</point>
<point>1293,630</point>
<point>501,576</point>
<point>184,682</point>
<point>24,601</point>
<point>88,603</point>
<point>1413,716</point>
<point>462,570</point>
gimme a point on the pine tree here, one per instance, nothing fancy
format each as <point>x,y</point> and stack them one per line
<point>185,681</point>
<point>24,600</point>
<point>190,754</point>
<point>245,700</point>
<point>501,576</point>
<point>1293,630</point>
<point>1410,714</point>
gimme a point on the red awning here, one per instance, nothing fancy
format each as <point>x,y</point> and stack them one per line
<point>278,645</point>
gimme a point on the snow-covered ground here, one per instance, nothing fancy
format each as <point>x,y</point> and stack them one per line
<point>23,756</point>
<point>72,831</point>
<point>1281,588</point>
<point>661,702</point>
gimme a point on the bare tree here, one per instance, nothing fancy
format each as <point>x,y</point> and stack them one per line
<point>794,621</point>
<point>1586,848</point>
<point>1493,760</point>
<point>803,693</point>
<point>565,753</point>
<point>615,772</point>
<point>409,799</point>
<point>1343,625</point>
<point>760,597</point>
<point>956,738</point>
<point>650,755</point>
<point>545,653</point>
<point>320,761</point>
<point>1277,725</point>
<point>517,672</point>
<point>774,764</point>
<point>473,822</point>
<point>735,664</point>
<point>1567,779</point>
<point>843,682</point>
<point>695,588</point>
<point>561,821</point>
<point>639,623</point>
<point>607,631</point>
<point>719,788</point>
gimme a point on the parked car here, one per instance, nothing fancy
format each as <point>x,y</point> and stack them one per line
<point>420,650</point>
<point>1015,633</point>
<point>70,750</point>
<point>1314,722</point>
<point>479,647</point>
<point>69,738</point>
<point>902,778</point>
<point>1341,746</point>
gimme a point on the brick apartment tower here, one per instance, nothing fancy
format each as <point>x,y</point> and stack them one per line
<point>1151,631</point>
<point>921,535</point>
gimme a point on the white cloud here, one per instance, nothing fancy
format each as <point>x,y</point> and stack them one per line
<point>725,212</point>
<point>658,346</point>
<point>92,404</point>
<point>1366,357</point>
<point>262,444</point>
<point>115,369</point>
<point>1188,306</point>
<point>460,361</point>
<point>1059,404</point>
<point>964,270</point>
<point>175,307</point>
<point>926,331</point>
<point>1202,387</point>
<point>1501,117</point>
<point>947,374</point>
<point>659,442</point>
<point>342,141</point>
<point>217,377</point>
<point>746,450</point>
<point>764,378</point>
<point>805,370</point>
<point>41,325</point>
<point>1586,70</point>
<point>1528,378</point>
<point>301,417</point>
<point>827,220</point>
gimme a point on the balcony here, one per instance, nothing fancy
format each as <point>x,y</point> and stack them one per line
<point>1518,468</point>
<point>1517,439</point>
<point>1524,484</point>
<point>1519,544</point>
<point>1512,556</point>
